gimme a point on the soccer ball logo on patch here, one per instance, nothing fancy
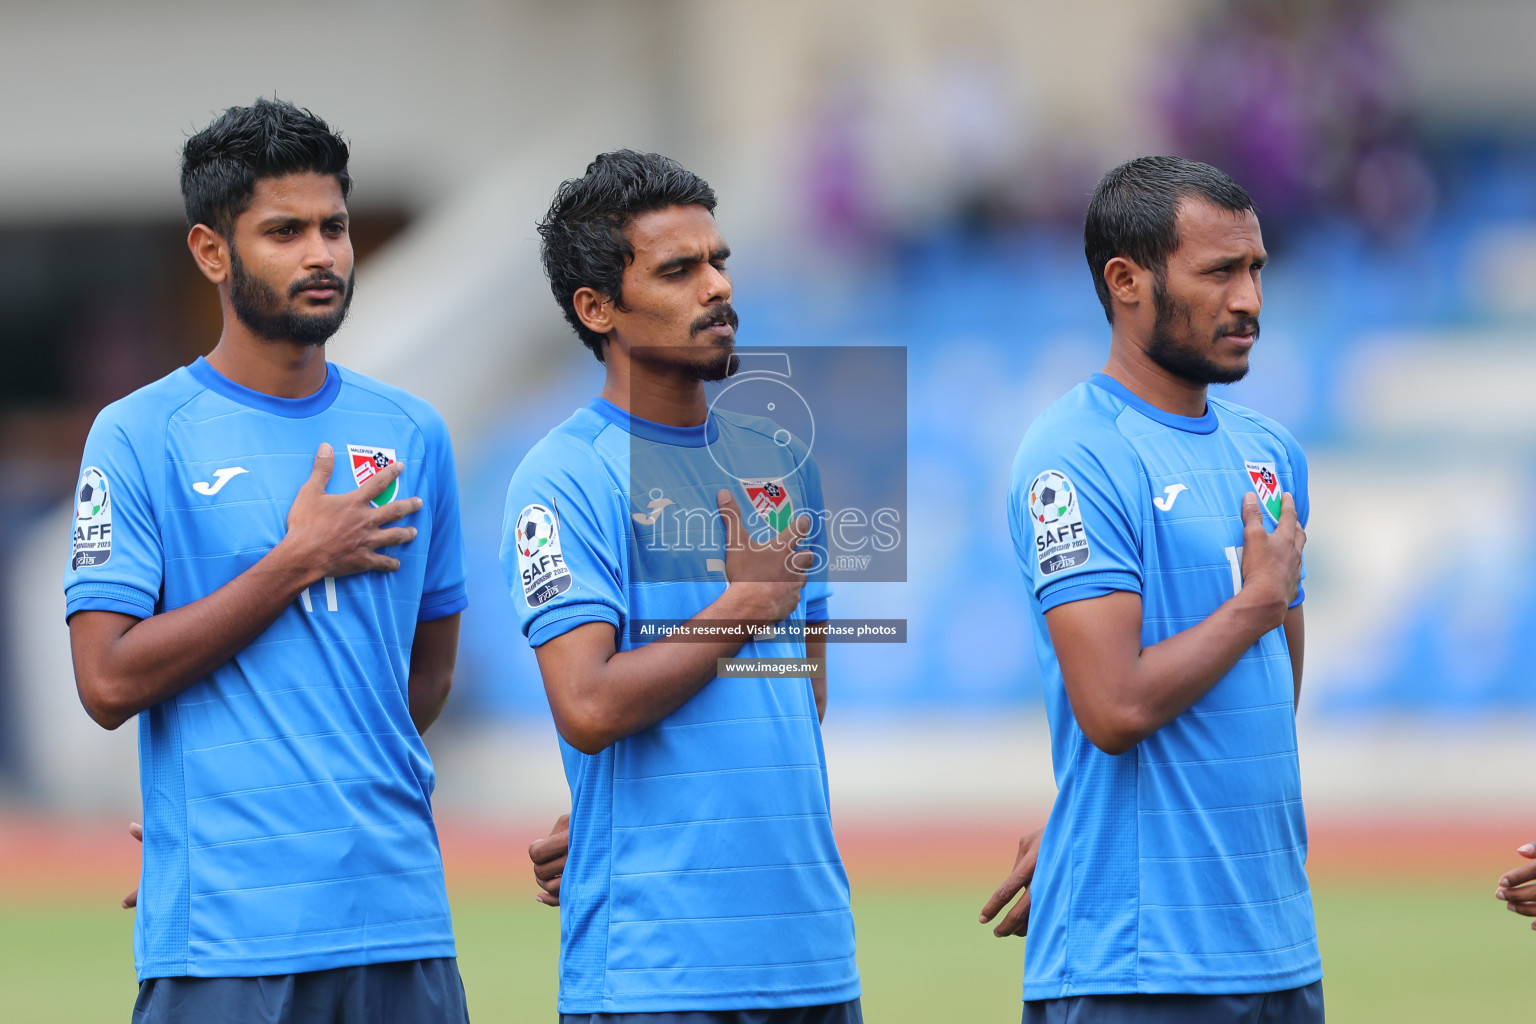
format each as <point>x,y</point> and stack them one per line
<point>1051,497</point>
<point>91,500</point>
<point>541,567</point>
<point>535,530</point>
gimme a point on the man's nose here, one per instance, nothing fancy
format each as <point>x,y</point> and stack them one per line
<point>717,285</point>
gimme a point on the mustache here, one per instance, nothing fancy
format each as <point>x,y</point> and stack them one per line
<point>1248,325</point>
<point>323,279</point>
<point>724,313</point>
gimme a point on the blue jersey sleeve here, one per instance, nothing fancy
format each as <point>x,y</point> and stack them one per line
<point>443,589</point>
<point>817,587</point>
<point>116,561</point>
<point>562,546</point>
<point>1074,509</point>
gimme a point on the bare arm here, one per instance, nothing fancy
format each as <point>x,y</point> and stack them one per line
<point>434,652</point>
<point>124,665</point>
<point>816,649</point>
<point>1296,640</point>
<point>1121,692</point>
<point>600,695</point>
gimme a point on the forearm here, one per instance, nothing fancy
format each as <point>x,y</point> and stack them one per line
<point>816,650</point>
<point>1295,641</point>
<point>1121,692</point>
<point>428,696</point>
<point>1172,675</point>
<point>629,691</point>
<point>156,658</point>
<point>434,655</point>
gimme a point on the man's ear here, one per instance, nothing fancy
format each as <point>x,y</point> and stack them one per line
<point>1129,283</point>
<point>593,309</point>
<point>211,252</point>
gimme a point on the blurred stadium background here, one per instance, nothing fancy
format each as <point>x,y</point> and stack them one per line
<point>893,173</point>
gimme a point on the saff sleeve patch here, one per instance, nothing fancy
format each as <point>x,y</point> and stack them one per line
<point>541,566</point>
<point>1061,542</point>
<point>92,544</point>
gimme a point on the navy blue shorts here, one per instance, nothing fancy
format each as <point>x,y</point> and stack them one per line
<point>831,1013</point>
<point>1290,1006</point>
<point>409,992</point>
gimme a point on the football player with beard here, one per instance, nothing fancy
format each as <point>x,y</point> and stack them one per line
<point>1160,530</point>
<point>702,883</point>
<point>284,627</point>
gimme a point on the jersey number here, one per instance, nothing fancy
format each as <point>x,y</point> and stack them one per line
<point>330,596</point>
<point>1235,563</point>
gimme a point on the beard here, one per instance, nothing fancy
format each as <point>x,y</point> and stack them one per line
<point>1172,349</point>
<point>717,363</point>
<point>718,366</point>
<point>259,308</point>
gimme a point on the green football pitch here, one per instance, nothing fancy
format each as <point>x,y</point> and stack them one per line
<point>1395,949</point>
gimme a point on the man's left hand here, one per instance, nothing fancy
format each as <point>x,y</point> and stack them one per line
<point>132,899</point>
<point>1016,921</point>
<point>548,856</point>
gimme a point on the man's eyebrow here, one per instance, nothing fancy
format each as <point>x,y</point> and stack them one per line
<point>287,219</point>
<point>719,254</point>
<point>1216,263</point>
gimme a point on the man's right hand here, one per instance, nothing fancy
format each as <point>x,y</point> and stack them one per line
<point>548,856</point>
<point>1272,561</point>
<point>341,534</point>
<point>769,576</point>
<point>1517,887</point>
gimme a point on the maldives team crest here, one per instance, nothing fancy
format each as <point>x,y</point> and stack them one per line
<point>1266,485</point>
<point>770,498</point>
<point>368,460</point>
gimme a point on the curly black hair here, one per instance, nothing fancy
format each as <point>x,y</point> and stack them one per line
<point>1134,212</point>
<point>221,164</point>
<point>583,243</point>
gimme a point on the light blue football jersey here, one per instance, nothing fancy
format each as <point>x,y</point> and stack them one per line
<point>702,874</point>
<point>1178,865</point>
<point>287,815</point>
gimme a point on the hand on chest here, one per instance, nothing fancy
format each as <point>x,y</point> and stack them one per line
<point>676,533</point>
<point>1195,514</point>
<point>225,496</point>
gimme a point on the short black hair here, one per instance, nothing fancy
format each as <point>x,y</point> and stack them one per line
<point>583,243</point>
<point>1134,212</point>
<point>221,164</point>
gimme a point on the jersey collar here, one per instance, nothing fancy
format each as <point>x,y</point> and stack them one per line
<point>1190,424</point>
<point>293,408</point>
<point>662,433</point>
